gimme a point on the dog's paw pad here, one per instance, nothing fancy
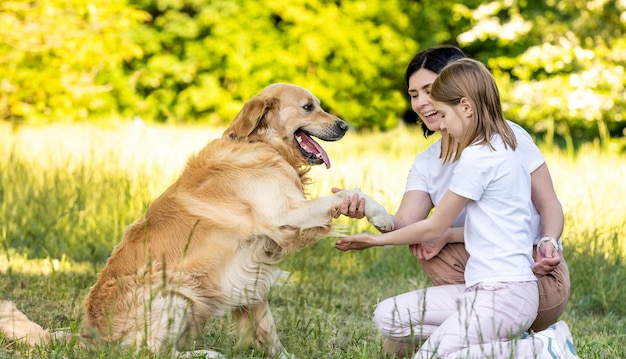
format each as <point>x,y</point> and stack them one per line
<point>384,222</point>
<point>378,216</point>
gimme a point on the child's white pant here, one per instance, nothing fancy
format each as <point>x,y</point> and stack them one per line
<point>483,321</point>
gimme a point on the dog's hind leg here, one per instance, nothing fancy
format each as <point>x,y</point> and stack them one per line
<point>16,326</point>
<point>160,320</point>
<point>255,327</point>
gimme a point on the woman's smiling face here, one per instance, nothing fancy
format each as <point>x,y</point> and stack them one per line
<point>420,83</point>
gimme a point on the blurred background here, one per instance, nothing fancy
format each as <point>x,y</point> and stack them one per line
<point>560,65</point>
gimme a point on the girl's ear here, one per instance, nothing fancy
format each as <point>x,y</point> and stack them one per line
<point>466,106</point>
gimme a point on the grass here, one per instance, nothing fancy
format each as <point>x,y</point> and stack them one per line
<point>68,192</point>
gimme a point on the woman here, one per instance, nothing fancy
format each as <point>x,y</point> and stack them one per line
<point>491,182</point>
<point>444,259</point>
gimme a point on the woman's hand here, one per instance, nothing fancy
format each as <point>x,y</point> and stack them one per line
<point>357,242</point>
<point>546,259</point>
<point>352,206</point>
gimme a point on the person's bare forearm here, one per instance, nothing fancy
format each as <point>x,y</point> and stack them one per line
<point>552,221</point>
<point>414,233</point>
<point>455,235</point>
<point>547,203</point>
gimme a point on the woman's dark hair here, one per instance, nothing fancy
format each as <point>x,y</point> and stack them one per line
<point>433,59</point>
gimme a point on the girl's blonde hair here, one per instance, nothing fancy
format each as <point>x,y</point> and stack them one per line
<point>470,79</point>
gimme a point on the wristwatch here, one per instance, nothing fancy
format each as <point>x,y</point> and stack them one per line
<point>549,240</point>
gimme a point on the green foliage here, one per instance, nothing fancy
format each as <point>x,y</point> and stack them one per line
<point>568,77</point>
<point>559,64</point>
<point>63,59</point>
<point>203,61</point>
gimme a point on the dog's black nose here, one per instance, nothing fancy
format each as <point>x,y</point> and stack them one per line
<point>343,125</point>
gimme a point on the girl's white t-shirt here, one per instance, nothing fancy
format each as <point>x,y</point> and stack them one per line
<point>429,175</point>
<point>498,221</point>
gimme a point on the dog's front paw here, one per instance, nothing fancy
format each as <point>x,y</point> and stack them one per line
<point>378,216</point>
<point>383,222</point>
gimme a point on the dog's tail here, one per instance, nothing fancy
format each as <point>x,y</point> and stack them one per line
<point>16,326</point>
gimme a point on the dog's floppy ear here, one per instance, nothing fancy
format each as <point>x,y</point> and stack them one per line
<point>251,117</point>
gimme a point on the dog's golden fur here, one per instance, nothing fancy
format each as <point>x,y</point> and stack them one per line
<point>207,245</point>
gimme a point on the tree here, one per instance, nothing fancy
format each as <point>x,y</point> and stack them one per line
<point>62,58</point>
<point>204,60</point>
<point>559,64</point>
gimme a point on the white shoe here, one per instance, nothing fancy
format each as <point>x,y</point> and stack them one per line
<point>557,342</point>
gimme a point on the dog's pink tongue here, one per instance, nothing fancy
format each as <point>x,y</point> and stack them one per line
<point>309,145</point>
<point>324,156</point>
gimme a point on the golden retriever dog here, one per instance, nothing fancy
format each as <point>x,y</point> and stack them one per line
<point>207,246</point>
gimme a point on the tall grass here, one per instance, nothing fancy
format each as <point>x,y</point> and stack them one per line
<point>68,192</point>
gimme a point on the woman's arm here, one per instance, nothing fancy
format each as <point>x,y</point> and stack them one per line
<point>551,217</point>
<point>546,202</point>
<point>415,206</point>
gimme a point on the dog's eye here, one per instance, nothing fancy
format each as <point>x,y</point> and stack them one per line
<point>308,107</point>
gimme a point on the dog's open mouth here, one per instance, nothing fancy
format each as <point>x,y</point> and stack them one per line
<point>312,152</point>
